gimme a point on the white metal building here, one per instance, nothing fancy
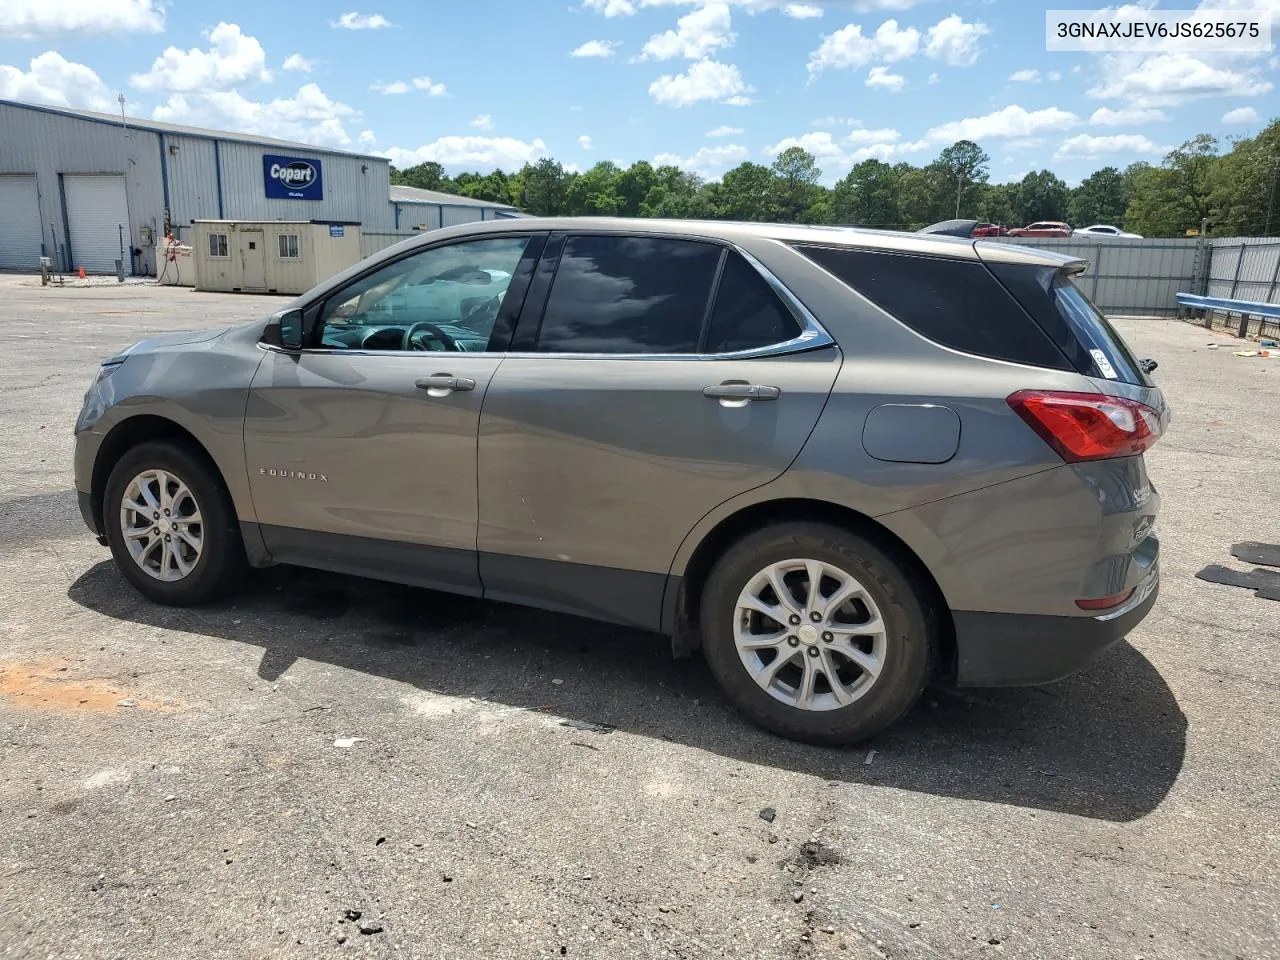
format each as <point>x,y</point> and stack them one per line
<point>86,189</point>
<point>270,256</point>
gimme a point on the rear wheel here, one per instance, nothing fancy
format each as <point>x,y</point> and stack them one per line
<point>171,527</point>
<point>816,633</point>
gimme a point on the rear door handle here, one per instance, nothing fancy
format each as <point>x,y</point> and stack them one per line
<point>741,392</point>
<point>443,384</point>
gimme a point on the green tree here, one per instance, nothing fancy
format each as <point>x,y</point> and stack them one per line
<point>925,195</point>
<point>1102,197</point>
<point>1041,195</point>
<point>747,193</point>
<point>544,187</point>
<point>963,166</point>
<point>998,204</point>
<point>867,196</point>
<point>1174,197</point>
<point>633,186</point>
<point>795,183</point>
<point>1244,189</point>
<point>594,193</point>
<point>675,194</point>
<point>424,176</point>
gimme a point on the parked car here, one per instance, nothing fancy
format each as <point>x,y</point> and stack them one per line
<point>1042,228</point>
<point>841,463</point>
<point>1105,230</point>
<point>990,230</point>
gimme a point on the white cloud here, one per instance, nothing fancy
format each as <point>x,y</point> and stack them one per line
<point>740,101</point>
<point>1053,76</point>
<point>232,58</point>
<point>820,143</point>
<point>696,35</point>
<point>802,11</point>
<point>611,8</point>
<point>705,80</point>
<point>848,47</point>
<point>53,79</point>
<point>1241,115</point>
<point>1025,76</point>
<point>596,48</point>
<point>933,78</point>
<point>955,41</point>
<point>398,87</point>
<point>724,131</point>
<point>360,21</point>
<point>25,19</point>
<point>895,44</point>
<point>296,61</point>
<point>880,78</point>
<point>310,115</point>
<point>484,153</point>
<point>366,138</point>
<point>482,121</point>
<point>1126,117</point>
<point>830,121</point>
<point>1012,121</point>
<point>706,161</point>
<point>1085,145</point>
<point>1170,79</point>
<point>885,134</point>
<point>584,142</point>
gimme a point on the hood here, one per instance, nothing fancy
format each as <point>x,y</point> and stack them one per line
<point>182,338</point>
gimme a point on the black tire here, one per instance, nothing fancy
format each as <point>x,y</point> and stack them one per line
<point>222,561</point>
<point>905,607</point>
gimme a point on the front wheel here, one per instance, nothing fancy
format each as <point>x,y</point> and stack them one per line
<point>816,633</point>
<point>171,527</point>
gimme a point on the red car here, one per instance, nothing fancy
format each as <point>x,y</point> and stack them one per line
<point>1042,228</point>
<point>990,230</point>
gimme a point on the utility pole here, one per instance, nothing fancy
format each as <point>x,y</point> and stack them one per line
<point>959,191</point>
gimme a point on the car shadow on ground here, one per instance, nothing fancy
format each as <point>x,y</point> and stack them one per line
<point>1107,743</point>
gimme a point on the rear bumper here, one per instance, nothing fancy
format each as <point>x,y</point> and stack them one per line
<point>1011,650</point>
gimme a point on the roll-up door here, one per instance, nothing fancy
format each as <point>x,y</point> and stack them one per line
<point>96,211</point>
<point>20,232</point>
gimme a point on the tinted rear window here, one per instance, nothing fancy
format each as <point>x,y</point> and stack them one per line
<point>747,314</point>
<point>628,295</point>
<point>956,303</point>
<point>1068,317</point>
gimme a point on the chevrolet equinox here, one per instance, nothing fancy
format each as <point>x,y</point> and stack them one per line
<point>840,462</point>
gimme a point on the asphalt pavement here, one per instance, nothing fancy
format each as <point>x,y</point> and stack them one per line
<point>324,766</point>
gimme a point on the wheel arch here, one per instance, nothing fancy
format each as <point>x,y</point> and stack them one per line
<point>129,433</point>
<point>684,589</point>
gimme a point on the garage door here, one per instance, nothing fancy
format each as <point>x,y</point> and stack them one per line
<point>96,210</point>
<point>19,223</point>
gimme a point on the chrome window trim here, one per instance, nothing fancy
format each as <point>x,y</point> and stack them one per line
<point>812,335</point>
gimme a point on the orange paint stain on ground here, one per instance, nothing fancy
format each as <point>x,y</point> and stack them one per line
<point>50,686</point>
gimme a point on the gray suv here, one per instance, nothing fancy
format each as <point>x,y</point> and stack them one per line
<point>840,462</point>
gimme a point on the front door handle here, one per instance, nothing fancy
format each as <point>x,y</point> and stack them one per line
<point>736,393</point>
<point>443,384</point>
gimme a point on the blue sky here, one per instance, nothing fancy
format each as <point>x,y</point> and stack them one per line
<point>702,84</point>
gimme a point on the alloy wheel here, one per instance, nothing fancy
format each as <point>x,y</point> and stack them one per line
<point>809,634</point>
<point>161,524</point>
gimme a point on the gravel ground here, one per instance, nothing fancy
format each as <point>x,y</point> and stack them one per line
<point>518,784</point>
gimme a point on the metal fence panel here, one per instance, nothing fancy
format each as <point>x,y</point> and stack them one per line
<point>1128,276</point>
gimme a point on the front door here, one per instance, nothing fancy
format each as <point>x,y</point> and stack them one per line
<point>253,260</point>
<point>637,411</point>
<point>361,449</point>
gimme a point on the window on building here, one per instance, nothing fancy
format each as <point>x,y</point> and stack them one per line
<point>289,246</point>
<point>217,245</point>
<point>628,295</point>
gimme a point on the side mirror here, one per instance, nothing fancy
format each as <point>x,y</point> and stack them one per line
<point>291,332</point>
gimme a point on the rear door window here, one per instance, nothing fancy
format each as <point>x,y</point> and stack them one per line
<point>748,315</point>
<point>956,303</point>
<point>628,295</point>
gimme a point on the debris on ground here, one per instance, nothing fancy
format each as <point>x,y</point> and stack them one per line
<point>798,896</point>
<point>127,702</point>
<point>343,743</point>
<point>351,914</point>
<point>871,755</point>
<point>767,814</point>
<point>369,926</point>
<point>588,725</point>
<point>1253,552</point>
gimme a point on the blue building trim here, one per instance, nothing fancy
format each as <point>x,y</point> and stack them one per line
<point>164,173</point>
<point>397,206</point>
<point>217,174</point>
<point>66,226</point>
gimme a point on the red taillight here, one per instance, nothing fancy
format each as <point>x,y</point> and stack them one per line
<point>1088,426</point>
<point>1105,603</point>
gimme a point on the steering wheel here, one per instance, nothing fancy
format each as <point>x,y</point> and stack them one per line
<point>431,328</point>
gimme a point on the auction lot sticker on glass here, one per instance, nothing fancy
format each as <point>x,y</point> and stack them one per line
<point>1131,28</point>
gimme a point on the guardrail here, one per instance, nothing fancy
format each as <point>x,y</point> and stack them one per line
<point>1267,313</point>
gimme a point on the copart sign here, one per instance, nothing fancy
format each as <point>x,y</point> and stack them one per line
<point>292,178</point>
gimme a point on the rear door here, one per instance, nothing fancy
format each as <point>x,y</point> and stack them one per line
<point>651,380</point>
